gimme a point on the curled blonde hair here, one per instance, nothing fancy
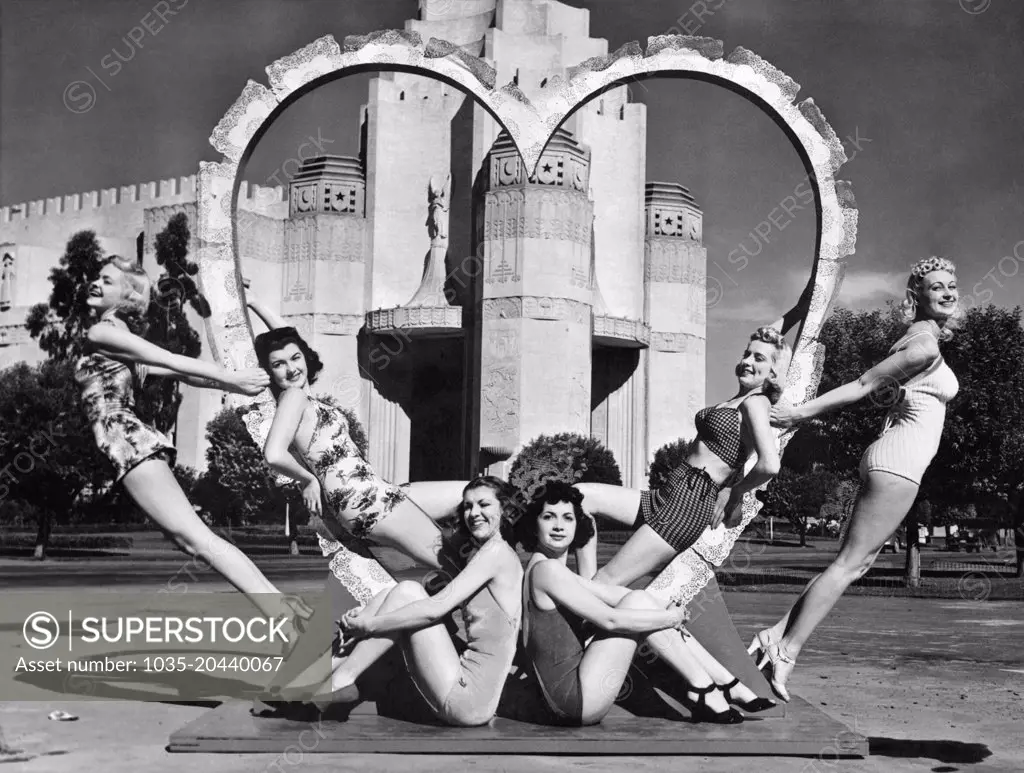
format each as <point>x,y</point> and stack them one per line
<point>915,286</point>
<point>137,289</point>
<point>781,357</point>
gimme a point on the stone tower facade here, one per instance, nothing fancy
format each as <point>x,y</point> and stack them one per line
<point>461,306</point>
<point>536,295</point>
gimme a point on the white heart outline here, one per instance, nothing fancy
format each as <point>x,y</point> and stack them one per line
<point>531,123</point>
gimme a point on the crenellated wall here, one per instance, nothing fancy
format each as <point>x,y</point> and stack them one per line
<point>124,218</point>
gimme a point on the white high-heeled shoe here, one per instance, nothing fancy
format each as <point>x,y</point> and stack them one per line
<point>769,655</point>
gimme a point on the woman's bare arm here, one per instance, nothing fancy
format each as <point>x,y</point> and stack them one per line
<point>756,417</point>
<point>115,342</point>
<point>270,318</point>
<point>897,368</point>
<point>557,582</point>
<point>277,450</point>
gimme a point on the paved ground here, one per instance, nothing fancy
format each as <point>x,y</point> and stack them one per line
<point>935,684</point>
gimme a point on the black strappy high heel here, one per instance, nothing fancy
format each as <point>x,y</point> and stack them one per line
<point>758,704</point>
<point>701,712</point>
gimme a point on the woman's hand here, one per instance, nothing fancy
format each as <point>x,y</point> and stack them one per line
<point>733,515</point>
<point>356,625</point>
<point>682,616</point>
<point>250,381</point>
<point>311,497</point>
<point>785,417</point>
<point>728,511</point>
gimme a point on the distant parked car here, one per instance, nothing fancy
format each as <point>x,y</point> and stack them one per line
<point>896,542</point>
<point>981,533</point>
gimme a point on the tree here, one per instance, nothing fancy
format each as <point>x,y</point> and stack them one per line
<point>981,454</point>
<point>839,503</point>
<point>1018,532</point>
<point>168,323</point>
<point>60,324</point>
<point>237,486</point>
<point>48,455</point>
<point>666,459</point>
<point>797,496</point>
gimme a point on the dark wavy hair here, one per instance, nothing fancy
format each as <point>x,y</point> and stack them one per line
<point>552,493</point>
<point>504,493</point>
<point>274,340</point>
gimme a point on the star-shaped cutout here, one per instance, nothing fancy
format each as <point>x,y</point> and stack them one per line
<point>547,167</point>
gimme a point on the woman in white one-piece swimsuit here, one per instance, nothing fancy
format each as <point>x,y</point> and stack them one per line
<point>892,466</point>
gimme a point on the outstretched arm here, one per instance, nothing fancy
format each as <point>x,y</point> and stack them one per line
<point>897,368</point>
<point>481,569</point>
<point>270,318</point>
<point>558,583</point>
<point>586,556</point>
<point>117,343</point>
<point>247,375</point>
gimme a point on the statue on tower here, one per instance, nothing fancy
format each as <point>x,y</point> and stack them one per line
<point>437,221</point>
<point>7,282</point>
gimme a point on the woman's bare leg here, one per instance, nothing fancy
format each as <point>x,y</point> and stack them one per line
<point>411,531</point>
<point>883,503</point>
<point>155,489</point>
<point>430,653</point>
<point>719,673</point>
<point>685,661</point>
<point>439,499</point>
<point>605,664</point>
<point>317,676</point>
<point>643,552</point>
<point>613,502</point>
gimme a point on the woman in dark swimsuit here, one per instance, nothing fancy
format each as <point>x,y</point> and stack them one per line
<point>580,636</point>
<point>709,486</point>
<point>116,363</point>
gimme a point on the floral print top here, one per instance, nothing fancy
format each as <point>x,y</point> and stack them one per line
<point>108,399</point>
<point>355,496</point>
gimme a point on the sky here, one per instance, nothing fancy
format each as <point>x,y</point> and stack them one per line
<point>925,94</point>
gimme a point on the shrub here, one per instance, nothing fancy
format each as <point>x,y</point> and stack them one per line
<point>567,457</point>
<point>666,459</point>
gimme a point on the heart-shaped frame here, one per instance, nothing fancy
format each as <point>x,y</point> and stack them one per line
<point>531,123</point>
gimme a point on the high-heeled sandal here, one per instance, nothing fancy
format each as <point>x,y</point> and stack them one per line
<point>759,645</point>
<point>758,704</point>
<point>701,712</point>
<point>773,656</point>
